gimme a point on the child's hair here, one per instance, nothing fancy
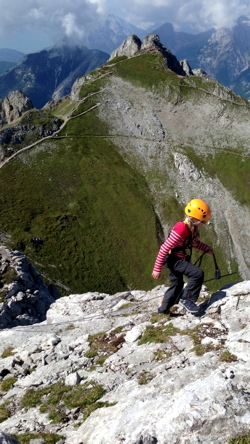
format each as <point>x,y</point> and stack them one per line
<point>191,226</point>
<point>188,222</point>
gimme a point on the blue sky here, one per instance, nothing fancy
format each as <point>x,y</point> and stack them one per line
<point>32,25</point>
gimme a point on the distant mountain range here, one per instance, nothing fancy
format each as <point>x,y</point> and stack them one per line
<point>9,58</point>
<point>10,55</point>
<point>45,74</point>
<point>112,33</point>
<point>224,54</point>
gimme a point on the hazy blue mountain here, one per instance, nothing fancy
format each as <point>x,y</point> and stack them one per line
<point>223,53</point>
<point>241,84</point>
<point>182,44</point>
<point>108,37</point>
<point>9,58</point>
<point>5,66</point>
<point>42,74</point>
<point>10,55</point>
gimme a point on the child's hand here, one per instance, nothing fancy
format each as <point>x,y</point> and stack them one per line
<point>156,275</point>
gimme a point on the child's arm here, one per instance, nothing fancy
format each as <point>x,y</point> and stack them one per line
<point>203,247</point>
<point>175,239</point>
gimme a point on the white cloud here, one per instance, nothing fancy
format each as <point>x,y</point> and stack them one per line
<point>69,23</point>
<point>57,18</point>
<point>194,14</point>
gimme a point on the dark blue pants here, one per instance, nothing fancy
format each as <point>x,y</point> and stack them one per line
<point>178,268</point>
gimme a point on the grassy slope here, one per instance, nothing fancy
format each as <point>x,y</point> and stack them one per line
<point>92,210</point>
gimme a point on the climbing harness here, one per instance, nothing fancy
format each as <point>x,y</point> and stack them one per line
<point>187,245</point>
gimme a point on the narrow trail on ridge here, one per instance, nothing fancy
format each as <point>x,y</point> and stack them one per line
<point>67,118</point>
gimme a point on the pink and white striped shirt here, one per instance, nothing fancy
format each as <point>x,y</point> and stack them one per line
<point>179,233</point>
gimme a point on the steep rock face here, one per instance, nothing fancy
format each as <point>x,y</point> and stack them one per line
<point>200,72</point>
<point>227,52</point>
<point>186,67</point>
<point>219,57</point>
<point>25,298</point>
<point>227,56</point>
<point>128,48</point>
<point>14,106</point>
<point>182,378</point>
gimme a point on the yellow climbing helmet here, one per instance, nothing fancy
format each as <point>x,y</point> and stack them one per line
<point>198,209</point>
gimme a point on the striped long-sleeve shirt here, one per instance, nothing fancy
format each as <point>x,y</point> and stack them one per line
<point>179,233</point>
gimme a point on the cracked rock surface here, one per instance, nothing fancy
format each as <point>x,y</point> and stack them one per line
<point>190,385</point>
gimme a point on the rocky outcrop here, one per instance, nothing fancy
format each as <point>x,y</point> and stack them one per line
<point>132,45</point>
<point>186,67</point>
<point>14,106</point>
<point>24,297</point>
<point>200,72</point>
<point>182,378</point>
<point>128,48</point>
<point>186,168</point>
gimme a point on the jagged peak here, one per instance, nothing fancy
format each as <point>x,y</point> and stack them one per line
<point>14,106</point>
<point>132,45</point>
<point>186,67</point>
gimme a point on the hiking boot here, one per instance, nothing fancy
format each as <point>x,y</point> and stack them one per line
<point>162,312</point>
<point>189,305</point>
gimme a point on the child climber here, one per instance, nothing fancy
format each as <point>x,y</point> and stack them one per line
<point>175,254</point>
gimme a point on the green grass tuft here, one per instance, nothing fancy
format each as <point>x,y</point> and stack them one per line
<point>144,377</point>
<point>48,438</point>
<point>241,439</point>
<point>158,333</point>
<point>4,412</point>
<point>7,383</point>
<point>7,352</point>
<point>55,399</point>
<point>226,356</point>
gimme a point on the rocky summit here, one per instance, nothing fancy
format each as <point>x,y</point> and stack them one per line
<point>133,44</point>
<point>14,106</point>
<point>107,369</point>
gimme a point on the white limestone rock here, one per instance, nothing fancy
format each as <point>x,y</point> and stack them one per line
<point>136,332</point>
<point>161,392</point>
